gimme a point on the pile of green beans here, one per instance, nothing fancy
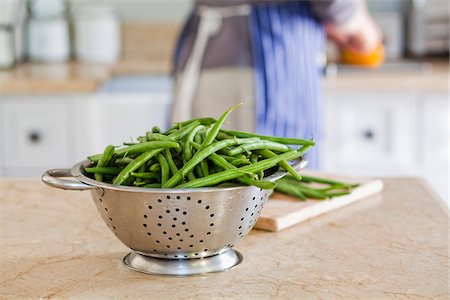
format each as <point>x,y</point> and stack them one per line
<point>310,187</point>
<point>197,153</point>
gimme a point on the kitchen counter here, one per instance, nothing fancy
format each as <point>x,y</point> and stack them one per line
<point>71,77</point>
<point>427,76</point>
<point>395,244</point>
<point>146,49</point>
<point>79,78</point>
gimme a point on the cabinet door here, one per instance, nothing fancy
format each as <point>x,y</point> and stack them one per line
<point>2,171</point>
<point>113,118</point>
<point>370,134</point>
<point>35,133</point>
<point>436,130</point>
<point>434,142</point>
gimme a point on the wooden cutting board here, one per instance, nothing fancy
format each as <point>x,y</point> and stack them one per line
<point>282,211</point>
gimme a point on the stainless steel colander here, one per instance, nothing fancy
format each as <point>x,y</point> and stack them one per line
<point>169,230</point>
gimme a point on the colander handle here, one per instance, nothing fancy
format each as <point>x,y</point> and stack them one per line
<point>297,166</point>
<point>51,177</point>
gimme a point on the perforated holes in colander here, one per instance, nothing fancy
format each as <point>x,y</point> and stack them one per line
<point>171,221</point>
<point>110,223</point>
<point>251,214</point>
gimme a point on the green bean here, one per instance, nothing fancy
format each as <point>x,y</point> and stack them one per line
<point>157,137</point>
<point>153,185</point>
<point>146,175</point>
<point>235,173</point>
<point>310,192</point>
<point>283,164</point>
<point>287,141</point>
<point>231,158</point>
<point>198,138</point>
<point>223,136</point>
<point>171,130</point>
<point>221,162</point>
<point>187,150</point>
<point>211,136</point>
<point>103,170</point>
<point>199,152</point>
<point>139,161</point>
<point>143,147</point>
<point>164,168</point>
<point>306,178</point>
<point>142,139</point>
<point>140,148</point>
<point>202,121</point>
<point>289,189</point>
<point>335,187</point>
<point>140,180</point>
<point>199,156</point>
<point>173,168</point>
<point>240,161</point>
<point>216,128</point>
<point>124,160</point>
<point>225,165</point>
<point>307,191</point>
<point>260,145</point>
<point>155,167</point>
<point>179,134</point>
<point>104,160</point>
<point>254,159</point>
<point>336,194</point>
<point>203,166</point>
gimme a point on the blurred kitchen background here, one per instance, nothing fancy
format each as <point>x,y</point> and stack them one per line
<point>78,75</point>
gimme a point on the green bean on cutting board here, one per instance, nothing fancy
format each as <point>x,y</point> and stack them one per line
<point>303,189</point>
<point>200,153</point>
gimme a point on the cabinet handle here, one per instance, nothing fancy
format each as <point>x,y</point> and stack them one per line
<point>368,134</point>
<point>35,137</point>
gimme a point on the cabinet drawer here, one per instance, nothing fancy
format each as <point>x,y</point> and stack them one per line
<point>374,133</point>
<point>35,133</point>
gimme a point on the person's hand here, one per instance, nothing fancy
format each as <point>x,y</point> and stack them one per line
<point>359,34</point>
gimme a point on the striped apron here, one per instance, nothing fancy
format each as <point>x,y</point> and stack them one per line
<point>286,43</point>
<point>286,46</point>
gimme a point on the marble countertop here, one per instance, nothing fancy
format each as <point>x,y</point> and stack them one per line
<point>394,244</point>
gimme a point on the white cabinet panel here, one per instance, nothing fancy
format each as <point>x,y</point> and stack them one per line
<point>35,133</point>
<point>113,118</point>
<point>2,171</point>
<point>436,130</point>
<point>370,133</point>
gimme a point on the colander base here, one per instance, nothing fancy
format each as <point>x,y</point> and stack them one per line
<point>182,267</point>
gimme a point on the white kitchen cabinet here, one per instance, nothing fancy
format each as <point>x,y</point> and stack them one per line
<point>435,124</point>
<point>434,141</point>
<point>376,133</point>
<point>55,131</point>
<point>126,116</point>
<point>35,134</point>
<point>370,131</point>
<point>1,141</point>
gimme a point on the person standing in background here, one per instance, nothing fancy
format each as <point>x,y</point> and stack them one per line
<point>269,55</point>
